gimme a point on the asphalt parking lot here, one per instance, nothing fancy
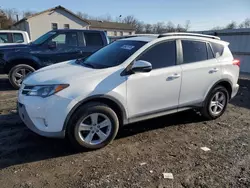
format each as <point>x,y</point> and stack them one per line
<point>138,157</point>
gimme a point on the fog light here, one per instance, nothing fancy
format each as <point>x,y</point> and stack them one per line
<point>45,122</point>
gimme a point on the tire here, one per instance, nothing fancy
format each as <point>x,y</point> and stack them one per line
<point>18,73</point>
<point>84,114</point>
<point>208,110</point>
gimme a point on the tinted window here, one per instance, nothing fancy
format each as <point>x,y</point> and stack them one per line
<point>66,39</point>
<point>218,49</point>
<point>93,39</point>
<point>4,38</point>
<point>18,38</point>
<point>44,37</point>
<point>60,39</point>
<point>161,55</point>
<point>194,51</point>
<point>114,54</point>
<point>210,54</point>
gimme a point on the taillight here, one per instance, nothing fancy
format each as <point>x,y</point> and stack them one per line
<point>236,62</point>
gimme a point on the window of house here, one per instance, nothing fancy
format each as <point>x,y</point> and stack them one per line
<point>18,38</point>
<point>161,55</point>
<point>54,26</point>
<point>194,51</point>
<point>4,38</point>
<point>121,33</point>
<point>115,33</point>
<point>66,26</point>
<point>93,39</point>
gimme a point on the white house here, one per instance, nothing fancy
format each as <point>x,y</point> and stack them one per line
<point>62,18</point>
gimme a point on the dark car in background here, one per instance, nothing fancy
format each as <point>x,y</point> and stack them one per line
<point>53,47</point>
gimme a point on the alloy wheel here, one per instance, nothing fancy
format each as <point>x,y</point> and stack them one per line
<point>217,103</point>
<point>20,74</point>
<point>94,129</point>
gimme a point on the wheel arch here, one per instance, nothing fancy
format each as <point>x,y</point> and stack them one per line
<point>26,61</point>
<point>223,82</point>
<point>108,100</point>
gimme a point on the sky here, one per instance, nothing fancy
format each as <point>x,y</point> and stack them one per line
<point>203,14</point>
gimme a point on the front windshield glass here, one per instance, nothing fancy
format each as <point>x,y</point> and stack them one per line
<point>113,54</point>
<point>44,37</point>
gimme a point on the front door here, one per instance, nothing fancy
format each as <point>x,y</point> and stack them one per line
<point>158,90</point>
<point>66,49</point>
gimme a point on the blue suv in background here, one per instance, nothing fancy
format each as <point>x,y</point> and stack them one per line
<point>55,46</point>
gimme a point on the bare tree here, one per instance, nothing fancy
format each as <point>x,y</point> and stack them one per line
<point>148,28</point>
<point>28,13</point>
<point>187,25</point>
<point>245,23</point>
<point>232,25</point>
<point>106,17</point>
<point>85,15</point>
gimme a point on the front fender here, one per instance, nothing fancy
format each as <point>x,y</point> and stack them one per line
<point>21,55</point>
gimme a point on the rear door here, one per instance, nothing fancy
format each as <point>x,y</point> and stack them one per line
<point>200,70</point>
<point>90,42</point>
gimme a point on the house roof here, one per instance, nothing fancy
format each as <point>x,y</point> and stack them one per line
<point>110,25</point>
<point>49,10</point>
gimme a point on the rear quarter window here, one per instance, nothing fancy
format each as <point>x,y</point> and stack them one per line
<point>218,49</point>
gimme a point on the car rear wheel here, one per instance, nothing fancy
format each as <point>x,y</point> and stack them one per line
<point>18,73</point>
<point>93,126</point>
<point>216,103</point>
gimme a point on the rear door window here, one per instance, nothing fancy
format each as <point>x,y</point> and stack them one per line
<point>194,51</point>
<point>18,38</point>
<point>4,38</point>
<point>93,39</point>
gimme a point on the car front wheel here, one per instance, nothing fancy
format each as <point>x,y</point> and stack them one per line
<point>93,126</point>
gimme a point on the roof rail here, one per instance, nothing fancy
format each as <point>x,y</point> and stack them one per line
<point>188,34</point>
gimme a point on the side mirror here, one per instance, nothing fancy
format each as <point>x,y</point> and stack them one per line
<point>141,66</point>
<point>52,45</point>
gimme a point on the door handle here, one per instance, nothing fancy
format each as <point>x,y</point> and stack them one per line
<point>213,70</point>
<point>173,76</point>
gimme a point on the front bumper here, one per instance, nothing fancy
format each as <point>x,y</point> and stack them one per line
<point>28,122</point>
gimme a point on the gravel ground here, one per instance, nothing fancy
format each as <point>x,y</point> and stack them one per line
<point>138,157</point>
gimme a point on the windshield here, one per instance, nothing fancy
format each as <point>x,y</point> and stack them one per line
<point>113,54</point>
<point>44,37</point>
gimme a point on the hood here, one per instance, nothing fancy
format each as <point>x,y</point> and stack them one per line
<point>60,73</point>
<point>14,47</point>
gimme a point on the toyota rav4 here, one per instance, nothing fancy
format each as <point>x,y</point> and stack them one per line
<point>130,80</point>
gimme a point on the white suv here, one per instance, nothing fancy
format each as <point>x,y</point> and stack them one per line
<point>127,81</point>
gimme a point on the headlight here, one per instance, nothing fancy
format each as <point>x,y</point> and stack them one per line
<point>46,90</point>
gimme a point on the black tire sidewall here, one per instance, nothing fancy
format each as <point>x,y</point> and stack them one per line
<point>206,111</point>
<point>83,112</point>
<point>14,69</point>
